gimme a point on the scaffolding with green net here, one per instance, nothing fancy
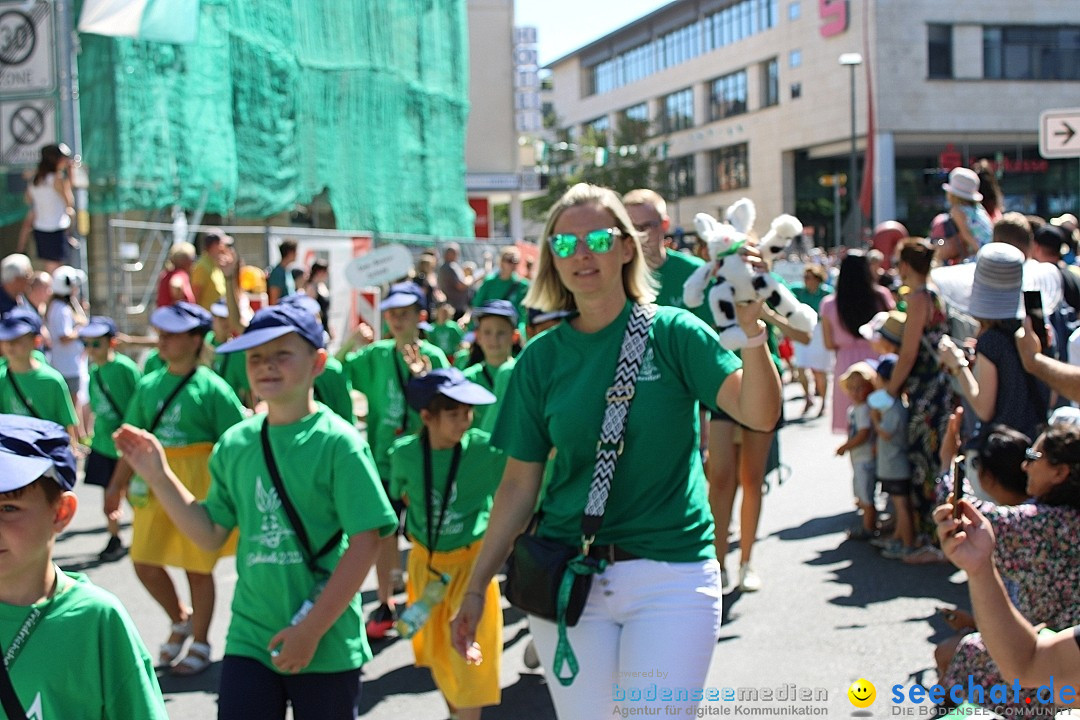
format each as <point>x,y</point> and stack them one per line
<point>278,101</point>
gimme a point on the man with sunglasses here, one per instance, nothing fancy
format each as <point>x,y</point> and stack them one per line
<point>113,378</point>
<point>672,269</point>
<point>505,283</point>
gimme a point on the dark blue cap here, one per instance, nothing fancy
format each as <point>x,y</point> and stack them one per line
<point>182,317</point>
<point>885,366</point>
<point>499,308</point>
<point>220,309</point>
<point>19,321</point>
<point>450,382</point>
<point>30,448</point>
<point>304,302</point>
<point>276,321</point>
<point>99,326</point>
<point>402,295</point>
<point>535,316</point>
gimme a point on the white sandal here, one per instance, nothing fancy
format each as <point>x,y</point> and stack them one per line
<point>195,662</point>
<point>169,651</point>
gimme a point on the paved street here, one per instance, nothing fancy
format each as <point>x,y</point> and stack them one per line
<point>831,610</point>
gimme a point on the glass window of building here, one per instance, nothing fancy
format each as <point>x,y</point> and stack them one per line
<point>794,11</point>
<point>770,83</point>
<point>728,96</point>
<point>1031,52</point>
<point>731,168</point>
<point>795,58</point>
<point>598,127</point>
<point>680,178</point>
<point>636,119</point>
<point>939,51</point>
<point>679,110</point>
<point>796,91</point>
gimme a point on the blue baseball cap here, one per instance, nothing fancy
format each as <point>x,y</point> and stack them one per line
<point>219,309</point>
<point>99,326</point>
<point>19,321</point>
<point>450,382</point>
<point>302,301</point>
<point>30,448</point>
<point>499,308</point>
<point>182,317</point>
<point>277,321</point>
<point>535,316</point>
<point>402,295</point>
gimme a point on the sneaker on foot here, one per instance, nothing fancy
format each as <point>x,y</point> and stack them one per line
<point>379,622</point>
<point>748,579</point>
<point>113,551</point>
<point>882,541</point>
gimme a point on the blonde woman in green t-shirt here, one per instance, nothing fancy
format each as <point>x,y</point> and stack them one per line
<point>656,605</point>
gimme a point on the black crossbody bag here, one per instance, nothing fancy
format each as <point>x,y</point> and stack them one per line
<point>8,699</point>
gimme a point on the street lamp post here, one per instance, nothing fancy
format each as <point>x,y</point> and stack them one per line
<point>853,60</point>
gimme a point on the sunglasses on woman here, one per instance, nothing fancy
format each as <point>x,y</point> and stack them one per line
<point>1032,455</point>
<point>598,241</point>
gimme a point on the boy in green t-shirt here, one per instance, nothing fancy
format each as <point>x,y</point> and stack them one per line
<point>381,372</point>
<point>332,386</point>
<point>300,486</point>
<point>445,334</point>
<point>113,378</point>
<point>70,648</point>
<point>27,385</point>
<point>447,475</point>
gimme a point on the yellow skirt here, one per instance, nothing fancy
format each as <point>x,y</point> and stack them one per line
<point>155,539</point>
<point>464,685</point>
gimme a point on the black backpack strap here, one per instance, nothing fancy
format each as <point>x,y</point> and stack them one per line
<point>19,392</point>
<point>172,396</point>
<point>8,699</point>
<point>108,396</point>
<point>310,558</point>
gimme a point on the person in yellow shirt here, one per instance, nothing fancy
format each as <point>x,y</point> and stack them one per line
<point>207,277</point>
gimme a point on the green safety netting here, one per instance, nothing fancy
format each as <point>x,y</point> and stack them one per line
<point>281,99</point>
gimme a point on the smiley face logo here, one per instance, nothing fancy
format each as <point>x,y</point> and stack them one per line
<point>862,693</point>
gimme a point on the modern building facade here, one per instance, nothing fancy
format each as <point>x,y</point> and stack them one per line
<point>749,98</point>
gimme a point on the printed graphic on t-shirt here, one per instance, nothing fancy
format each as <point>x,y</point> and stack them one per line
<point>168,430</point>
<point>649,371</point>
<point>453,523</point>
<point>35,711</point>
<point>102,408</point>
<point>272,530</point>
<point>395,404</point>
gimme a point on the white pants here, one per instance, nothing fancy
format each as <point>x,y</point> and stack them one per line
<point>646,623</point>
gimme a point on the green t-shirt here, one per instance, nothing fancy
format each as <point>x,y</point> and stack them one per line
<point>44,388</point>
<point>232,367</point>
<point>487,376</point>
<point>371,371</point>
<point>479,472</point>
<point>813,299</point>
<point>152,362</point>
<point>659,505</point>
<point>461,358</point>
<point>672,275</point>
<point>119,376</point>
<point>495,288</point>
<point>329,475</point>
<point>84,659</point>
<point>201,412</point>
<point>446,336</point>
<point>502,381</point>
<point>332,389</point>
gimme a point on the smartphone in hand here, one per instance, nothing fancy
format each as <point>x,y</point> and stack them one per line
<point>1034,308</point>
<point>958,473</point>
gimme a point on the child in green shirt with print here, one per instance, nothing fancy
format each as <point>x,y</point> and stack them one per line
<point>113,378</point>
<point>300,486</point>
<point>70,649</point>
<point>447,476</point>
<point>497,339</point>
<point>29,386</point>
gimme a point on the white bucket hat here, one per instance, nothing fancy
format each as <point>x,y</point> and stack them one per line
<point>65,278</point>
<point>956,283</point>
<point>963,183</point>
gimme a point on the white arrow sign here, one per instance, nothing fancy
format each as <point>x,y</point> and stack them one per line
<point>1059,133</point>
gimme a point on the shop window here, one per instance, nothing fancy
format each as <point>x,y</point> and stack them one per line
<point>727,96</point>
<point>770,83</point>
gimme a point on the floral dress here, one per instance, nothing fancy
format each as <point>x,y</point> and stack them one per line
<point>1040,564</point>
<point>930,400</point>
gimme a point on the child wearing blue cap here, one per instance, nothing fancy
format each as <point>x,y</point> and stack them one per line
<point>188,407</point>
<point>29,386</point>
<point>381,372</point>
<point>113,378</point>
<point>299,485</point>
<point>70,649</point>
<point>447,476</point>
<point>497,340</point>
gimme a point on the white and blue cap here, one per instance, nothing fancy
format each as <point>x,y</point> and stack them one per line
<point>98,327</point>
<point>19,321</point>
<point>31,448</point>
<point>220,309</point>
<point>498,308</point>
<point>402,295</point>
<point>450,382</point>
<point>277,321</point>
<point>302,301</point>
<point>182,317</point>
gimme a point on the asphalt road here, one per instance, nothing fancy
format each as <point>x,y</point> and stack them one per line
<point>831,610</point>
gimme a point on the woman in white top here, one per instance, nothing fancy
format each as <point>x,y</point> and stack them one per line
<point>64,317</point>
<point>52,207</point>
